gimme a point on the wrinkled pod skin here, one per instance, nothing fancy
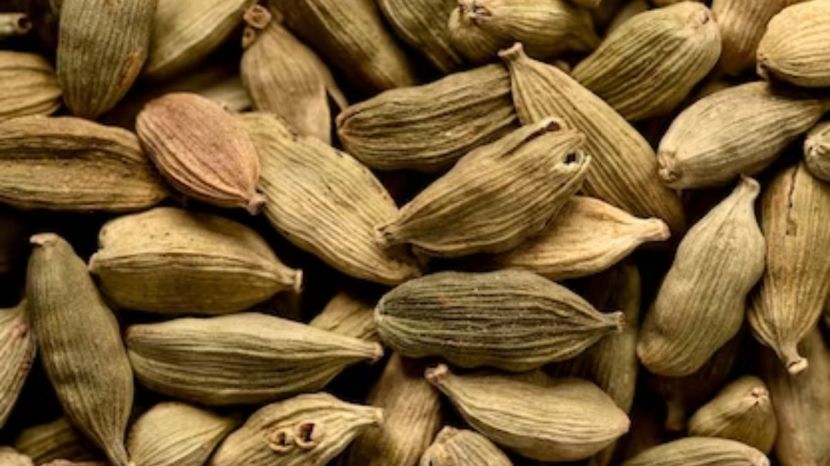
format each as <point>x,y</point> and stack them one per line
<point>420,23</point>
<point>460,447</point>
<point>57,439</point>
<point>817,151</point>
<point>700,451</point>
<point>17,354</point>
<point>29,85</point>
<point>742,24</point>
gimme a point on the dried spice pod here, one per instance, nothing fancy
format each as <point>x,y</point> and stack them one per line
<point>80,345</point>
<point>480,28</point>
<point>794,46</point>
<point>742,411</point>
<point>176,434</point>
<point>98,167</point>
<point>429,127</point>
<point>817,151</point>
<point>795,218</point>
<point>28,85</point>
<point>17,353</point>
<point>737,131</point>
<point>534,415</point>
<point>326,202</point>
<point>54,440</point>
<point>700,451</point>
<point>496,196</point>
<point>9,457</point>
<point>586,237</point>
<point>461,447</point>
<point>285,77</point>
<point>202,150</point>
<point>622,166</point>
<point>702,301</point>
<point>307,430</point>
<point>349,315</point>
<point>243,358</point>
<point>509,319</point>
<point>423,25</point>
<point>103,45</point>
<point>171,261</point>
<point>742,23</point>
<point>675,47</point>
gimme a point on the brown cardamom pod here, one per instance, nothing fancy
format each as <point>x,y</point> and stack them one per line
<point>28,85</point>
<point>700,451</point>
<point>422,24</point>
<point>17,353</point>
<point>456,447</point>
<point>54,440</point>
<point>349,315</point>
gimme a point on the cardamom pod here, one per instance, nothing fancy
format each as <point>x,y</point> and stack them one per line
<point>54,440</point>
<point>349,315</point>
<point>307,430</point>
<point>285,77</point>
<point>28,85</point>
<point>675,47</point>
<point>534,415</point>
<point>173,261</point>
<point>742,23</point>
<point>17,353</point>
<point>496,196</point>
<point>461,447</point>
<point>176,434</point>
<point>98,167</point>
<point>429,127</point>
<point>702,302</point>
<point>9,457</point>
<point>102,48</point>
<point>547,28</point>
<point>740,130</point>
<point>326,202</point>
<point>796,283</point>
<point>817,151</point>
<point>243,358</point>
<point>627,11</point>
<point>700,451</point>
<point>742,411</point>
<point>80,345</point>
<point>623,166</point>
<point>508,319</point>
<point>201,149</point>
<point>423,25</point>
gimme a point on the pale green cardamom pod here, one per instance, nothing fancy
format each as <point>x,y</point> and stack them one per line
<point>28,85</point>
<point>461,447</point>
<point>17,354</point>
<point>54,440</point>
<point>700,451</point>
<point>742,24</point>
<point>817,151</point>
<point>10,457</point>
<point>349,315</point>
<point>423,25</point>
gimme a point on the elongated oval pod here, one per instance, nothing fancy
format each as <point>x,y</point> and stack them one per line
<point>80,345</point>
<point>307,430</point>
<point>348,314</point>
<point>737,131</point>
<point>54,440</point>
<point>243,358</point>
<point>10,457</point>
<point>28,85</point>
<point>622,166</point>
<point>423,25</point>
<point>795,218</point>
<point>817,151</point>
<point>700,451</point>
<point>461,447</point>
<point>742,24</point>
<point>17,354</point>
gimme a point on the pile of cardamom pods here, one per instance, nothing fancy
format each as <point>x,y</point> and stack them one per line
<point>414,233</point>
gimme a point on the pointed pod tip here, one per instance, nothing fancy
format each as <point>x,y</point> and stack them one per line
<point>297,287</point>
<point>750,185</point>
<point>435,374</point>
<point>377,353</point>
<point>798,366</point>
<point>514,52</point>
<point>658,231</point>
<point>255,204</point>
<point>257,16</point>
<point>617,321</point>
<point>44,239</point>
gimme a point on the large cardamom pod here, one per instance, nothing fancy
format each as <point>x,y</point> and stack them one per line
<point>461,447</point>
<point>742,411</point>
<point>10,457</point>
<point>17,353</point>
<point>586,237</point>
<point>103,45</point>
<point>423,25</point>
<point>429,127</point>
<point>702,302</point>
<point>240,358</point>
<point>80,345</point>
<point>534,415</point>
<point>650,64</point>
<point>349,315</point>
<point>28,85</point>
<point>742,23</point>
<point>176,434</point>
<point>509,319</point>
<point>737,131</point>
<point>700,451</point>
<point>817,151</point>
<point>307,430</point>
<point>326,202</point>
<point>795,217</point>
<point>623,166</point>
<point>173,261</point>
<point>98,167</point>
<point>54,440</point>
<point>496,196</point>
<point>287,78</point>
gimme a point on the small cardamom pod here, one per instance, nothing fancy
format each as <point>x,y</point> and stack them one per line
<point>10,457</point>
<point>17,353</point>
<point>817,151</point>
<point>54,440</point>
<point>28,85</point>
<point>700,451</point>
<point>422,24</point>
<point>742,23</point>
<point>461,447</point>
<point>349,315</point>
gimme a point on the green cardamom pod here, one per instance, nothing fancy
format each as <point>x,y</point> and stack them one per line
<point>10,457</point>
<point>422,24</point>
<point>817,151</point>
<point>349,315</point>
<point>700,451</point>
<point>461,447</point>
<point>28,85</point>
<point>54,440</point>
<point>742,24</point>
<point>17,354</point>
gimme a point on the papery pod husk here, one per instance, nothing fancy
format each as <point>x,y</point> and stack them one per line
<point>172,261</point>
<point>176,434</point>
<point>412,417</point>
<point>586,237</point>
<point>307,430</point>
<point>742,23</point>
<point>326,202</point>
<point>700,451</point>
<point>623,166</point>
<point>28,85</point>
<point>480,28</point>
<point>17,353</point>
<point>80,345</point>
<point>54,440</point>
<point>631,9</point>
<point>186,31</point>
<point>647,66</point>
<point>534,415</point>
<point>509,319</point>
<point>429,127</point>
<point>817,151</point>
<point>423,25</point>
<point>461,447</point>
<point>802,405</point>
<point>702,301</point>
<point>742,411</point>
<point>102,48</point>
<point>202,150</point>
<point>351,34</point>
<point>10,457</point>
<point>495,197</point>
<point>244,358</point>
<point>350,315</point>
<point>98,168</point>
<point>795,219</point>
<point>285,77</point>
